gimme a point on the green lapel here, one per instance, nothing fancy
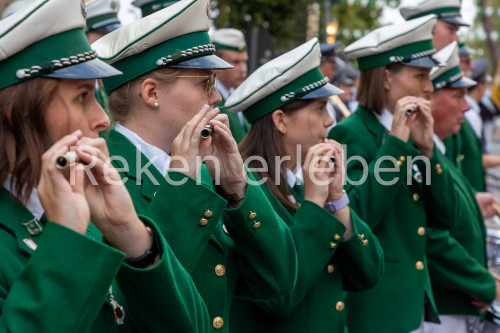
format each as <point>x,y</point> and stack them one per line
<point>237,129</point>
<point>372,124</point>
<point>142,171</point>
<point>14,214</point>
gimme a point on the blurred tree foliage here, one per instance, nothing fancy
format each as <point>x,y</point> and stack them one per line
<point>354,17</point>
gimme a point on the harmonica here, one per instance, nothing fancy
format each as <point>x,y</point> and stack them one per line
<point>411,110</point>
<point>63,161</point>
<point>207,131</point>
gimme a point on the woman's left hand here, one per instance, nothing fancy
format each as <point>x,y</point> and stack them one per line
<point>489,205</point>
<point>111,207</point>
<point>421,126</point>
<point>223,148</point>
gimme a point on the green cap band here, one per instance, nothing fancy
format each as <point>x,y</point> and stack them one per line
<point>155,6</point>
<point>397,55</point>
<point>448,11</point>
<point>101,21</point>
<point>170,52</point>
<point>65,49</point>
<point>220,46</point>
<point>299,87</point>
<point>448,77</point>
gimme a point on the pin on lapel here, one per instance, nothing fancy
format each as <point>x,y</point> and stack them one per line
<point>34,227</point>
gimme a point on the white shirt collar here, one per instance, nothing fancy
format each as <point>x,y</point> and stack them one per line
<point>33,204</point>
<point>223,91</point>
<point>439,144</point>
<point>385,119</point>
<point>159,158</point>
<point>292,176</point>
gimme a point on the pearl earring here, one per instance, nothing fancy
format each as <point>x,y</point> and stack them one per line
<point>156,105</point>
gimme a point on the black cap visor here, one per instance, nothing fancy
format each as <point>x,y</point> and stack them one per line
<point>205,62</point>
<point>463,82</point>
<point>92,69</point>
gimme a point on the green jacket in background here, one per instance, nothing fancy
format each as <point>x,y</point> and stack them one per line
<point>58,281</point>
<point>397,214</point>
<point>466,149</point>
<point>237,129</point>
<point>219,246</point>
<point>316,304</point>
<point>457,257</point>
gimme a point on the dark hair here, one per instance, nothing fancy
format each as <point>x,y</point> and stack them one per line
<point>23,131</point>
<point>263,139</point>
<point>371,92</point>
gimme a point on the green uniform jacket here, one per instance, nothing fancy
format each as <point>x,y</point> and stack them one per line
<point>396,213</point>
<point>237,129</point>
<point>224,253</point>
<point>316,304</point>
<point>467,150</point>
<point>61,282</point>
<point>457,257</point>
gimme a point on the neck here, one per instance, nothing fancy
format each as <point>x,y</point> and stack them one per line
<point>292,153</point>
<point>153,132</point>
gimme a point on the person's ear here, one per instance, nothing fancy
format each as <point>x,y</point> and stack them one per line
<point>388,79</point>
<point>280,121</point>
<point>149,92</point>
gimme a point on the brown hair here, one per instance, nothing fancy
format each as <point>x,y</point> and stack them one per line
<point>121,99</point>
<point>23,132</point>
<point>263,139</point>
<point>371,92</point>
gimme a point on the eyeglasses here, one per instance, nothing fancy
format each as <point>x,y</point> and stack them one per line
<point>210,82</point>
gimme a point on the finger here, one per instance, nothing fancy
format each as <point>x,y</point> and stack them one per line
<point>221,124</point>
<point>192,124</point>
<point>79,180</point>
<point>223,118</point>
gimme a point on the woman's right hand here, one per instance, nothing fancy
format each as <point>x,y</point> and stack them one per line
<point>185,155</point>
<point>317,170</point>
<point>64,203</point>
<point>400,128</point>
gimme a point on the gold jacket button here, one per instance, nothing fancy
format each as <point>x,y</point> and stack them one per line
<point>207,214</point>
<point>364,242</point>
<point>218,323</point>
<point>438,169</point>
<point>416,197</point>
<point>203,221</point>
<point>400,163</point>
<point>256,225</point>
<point>220,270</point>
<point>330,269</point>
<point>361,236</point>
<point>419,265</point>
<point>402,158</point>
<point>336,237</point>
<point>339,306</point>
<point>333,245</point>
<point>252,215</point>
<point>421,231</point>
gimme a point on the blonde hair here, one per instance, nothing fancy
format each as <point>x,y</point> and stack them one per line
<point>121,98</point>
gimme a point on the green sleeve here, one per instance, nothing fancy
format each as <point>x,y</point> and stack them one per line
<point>314,230</point>
<point>266,255</point>
<point>361,165</point>
<point>181,227</point>
<point>163,296</point>
<point>67,270</point>
<point>452,267</point>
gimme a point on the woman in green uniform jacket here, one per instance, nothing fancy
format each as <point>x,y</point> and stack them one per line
<point>59,272</point>
<point>225,232</point>
<point>336,250</point>
<point>387,188</point>
<point>462,284</point>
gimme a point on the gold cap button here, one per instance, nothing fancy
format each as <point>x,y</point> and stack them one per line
<point>203,221</point>
<point>421,231</point>
<point>330,269</point>
<point>207,214</point>
<point>220,270</point>
<point>365,242</point>
<point>339,306</point>
<point>419,265</point>
<point>218,322</point>
<point>256,225</point>
<point>333,245</point>
<point>416,197</point>
<point>336,237</point>
<point>252,215</point>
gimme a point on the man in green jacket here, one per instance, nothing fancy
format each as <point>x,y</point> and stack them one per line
<point>462,285</point>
